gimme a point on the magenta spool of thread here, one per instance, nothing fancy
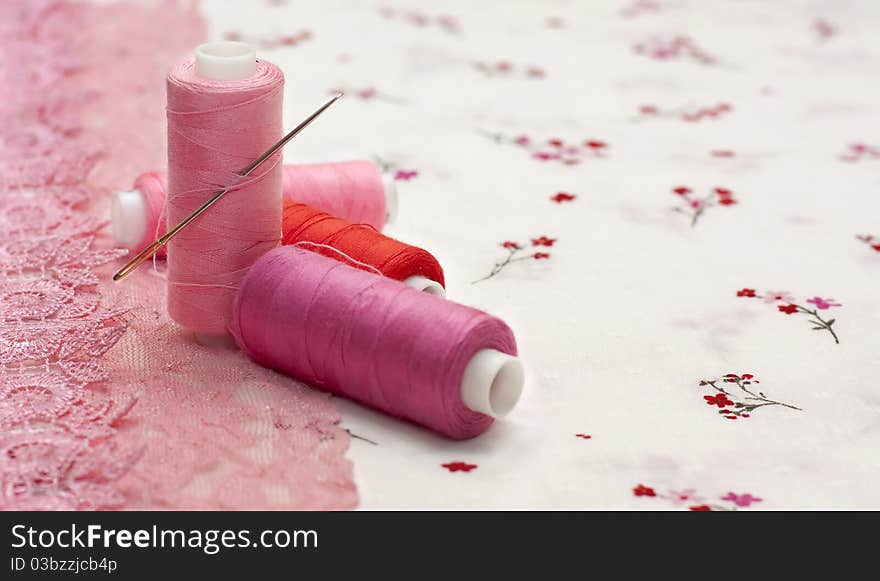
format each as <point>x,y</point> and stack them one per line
<point>415,356</point>
<point>224,111</point>
<point>355,191</point>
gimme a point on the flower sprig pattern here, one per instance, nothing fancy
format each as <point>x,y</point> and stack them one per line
<point>688,114</point>
<point>695,206</point>
<point>676,48</point>
<point>445,22</point>
<point>554,149</point>
<point>517,252</point>
<point>792,308</point>
<point>508,69</point>
<point>870,240</point>
<point>738,404</point>
<point>401,174</point>
<point>368,94</point>
<point>273,41</point>
<point>694,502</point>
<point>859,152</point>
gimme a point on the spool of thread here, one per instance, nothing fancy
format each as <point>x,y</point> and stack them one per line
<point>442,365</point>
<point>224,111</point>
<point>355,191</point>
<point>335,238</point>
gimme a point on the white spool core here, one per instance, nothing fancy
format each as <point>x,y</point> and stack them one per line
<point>128,218</point>
<point>492,383</point>
<point>390,198</point>
<point>426,285</point>
<point>226,60</point>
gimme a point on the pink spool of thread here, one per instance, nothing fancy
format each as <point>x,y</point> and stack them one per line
<point>407,353</point>
<point>224,111</point>
<point>355,191</point>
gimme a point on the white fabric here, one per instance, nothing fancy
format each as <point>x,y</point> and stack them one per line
<point>634,306</point>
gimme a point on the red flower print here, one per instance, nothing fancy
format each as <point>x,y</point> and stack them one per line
<point>700,508</point>
<point>515,254</point>
<point>720,400</point>
<point>563,197</point>
<point>405,174</point>
<point>697,206</point>
<point>733,404</point>
<point>791,308</point>
<point>583,436</point>
<point>543,241</point>
<point>554,148</point>
<point>642,490</point>
<point>871,241</point>
<point>746,292</point>
<point>459,466</point>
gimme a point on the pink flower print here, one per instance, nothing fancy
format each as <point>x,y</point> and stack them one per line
<point>823,304</point>
<point>741,500</point>
<point>405,174</point>
<point>522,140</point>
<point>777,296</point>
<point>687,495</point>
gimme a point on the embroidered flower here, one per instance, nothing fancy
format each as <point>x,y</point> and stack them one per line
<point>642,490</point>
<point>405,174</point>
<point>683,496</point>
<point>700,508</point>
<point>792,307</point>
<point>746,292</point>
<point>540,255</point>
<point>739,403</point>
<point>682,190</point>
<point>583,436</point>
<point>776,296</point>
<point>543,241</point>
<point>719,399</point>
<point>823,304</point>
<point>563,197</point>
<point>510,245</point>
<point>742,500</point>
<point>459,466</point>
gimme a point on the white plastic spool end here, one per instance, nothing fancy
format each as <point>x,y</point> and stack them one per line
<point>390,198</point>
<point>426,285</point>
<point>128,218</point>
<point>492,383</point>
<point>226,60</point>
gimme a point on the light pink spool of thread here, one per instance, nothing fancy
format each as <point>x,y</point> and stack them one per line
<point>224,111</point>
<point>355,191</point>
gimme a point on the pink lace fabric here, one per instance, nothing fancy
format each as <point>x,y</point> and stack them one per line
<point>104,403</point>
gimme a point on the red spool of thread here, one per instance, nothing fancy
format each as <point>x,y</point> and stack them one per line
<point>316,230</point>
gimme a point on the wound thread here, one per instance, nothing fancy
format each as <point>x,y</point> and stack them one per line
<point>362,243</point>
<point>366,337</point>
